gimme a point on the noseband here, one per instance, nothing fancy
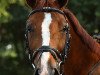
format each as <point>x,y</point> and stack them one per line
<point>54,52</point>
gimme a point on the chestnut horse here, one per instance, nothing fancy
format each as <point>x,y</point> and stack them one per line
<point>48,31</point>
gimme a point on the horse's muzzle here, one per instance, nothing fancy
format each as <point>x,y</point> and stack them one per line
<point>53,72</point>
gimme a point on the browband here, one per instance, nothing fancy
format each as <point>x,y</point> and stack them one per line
<point>46,9</point>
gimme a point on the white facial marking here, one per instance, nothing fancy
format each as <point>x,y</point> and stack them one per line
<point>45,42</point>
<point>44,63</point>
<point>45,29</point>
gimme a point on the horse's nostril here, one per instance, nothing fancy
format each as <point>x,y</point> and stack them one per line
<point>37,72</point>
<point>56,72</point>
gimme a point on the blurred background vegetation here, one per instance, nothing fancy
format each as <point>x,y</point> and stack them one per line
<point>13,16</point>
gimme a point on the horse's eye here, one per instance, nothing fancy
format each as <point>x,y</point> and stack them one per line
<point>66,27</point>
<point>30,29</point>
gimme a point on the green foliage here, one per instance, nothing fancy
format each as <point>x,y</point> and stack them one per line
<point>5,16</point>
<point>88,14</point>
<point>13,15</point>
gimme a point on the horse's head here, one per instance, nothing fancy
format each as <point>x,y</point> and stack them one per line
<point>47,39</point>
<point>46,35</point>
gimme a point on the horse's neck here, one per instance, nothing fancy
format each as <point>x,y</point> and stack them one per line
<point>84,51</point>
<point>80,37</point>
<point>84,39</point>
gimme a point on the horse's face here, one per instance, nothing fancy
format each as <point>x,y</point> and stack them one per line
<point>46,30</point>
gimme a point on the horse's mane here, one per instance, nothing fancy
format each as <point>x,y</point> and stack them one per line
<point>84,36</point>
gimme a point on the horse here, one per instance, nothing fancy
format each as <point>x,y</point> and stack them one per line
<point>56,42</point>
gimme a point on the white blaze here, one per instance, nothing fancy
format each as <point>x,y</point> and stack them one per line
<point>45,29</point>
<point>44,63</point>
<point>45,42</point>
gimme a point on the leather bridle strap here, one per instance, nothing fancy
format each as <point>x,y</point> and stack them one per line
<point>46,9</point>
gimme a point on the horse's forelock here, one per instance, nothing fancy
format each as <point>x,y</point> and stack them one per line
<point>48,3</point>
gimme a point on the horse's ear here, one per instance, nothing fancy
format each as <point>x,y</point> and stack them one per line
<point>62,3</point>
<point>31,3</point>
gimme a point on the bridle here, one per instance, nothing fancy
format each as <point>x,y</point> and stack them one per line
<point>54,52</point>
